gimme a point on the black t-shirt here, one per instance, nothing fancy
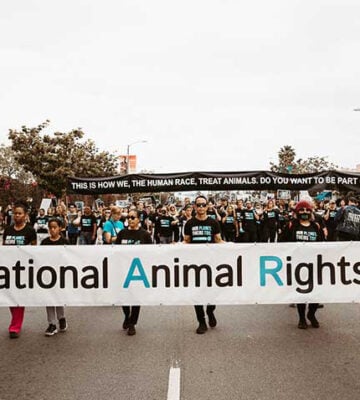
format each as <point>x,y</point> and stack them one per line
<point>25,236</point>
<point>132,236</point>
<point>142,217</point>
<point>238,212</point>
<point>87,223</point>
<point>42,223</point>
<point>8,217</point>
<point>330,223</point>
<point>202,231</point>
<point>248,219</point>
<point>295,232</point>
<point>271,218</point>
<point>60,242</point>
<point>211,214</point>
<point>182,222</point>
<point>164,227</point>
<point>229,223</point>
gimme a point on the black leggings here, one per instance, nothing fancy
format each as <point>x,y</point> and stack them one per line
<point>200,313</point>
<point>302,308</point>
<point>131,313</point>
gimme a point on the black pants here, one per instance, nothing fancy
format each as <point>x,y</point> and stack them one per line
<point>302,308</point>
<point>73,237</point>
<point>131,313</point>
<point>269,233</point>
<point>200,313</point>
<point>229,236</point>
<point>250,236</point>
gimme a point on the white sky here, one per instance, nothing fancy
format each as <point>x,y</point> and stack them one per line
<point>215,85</point>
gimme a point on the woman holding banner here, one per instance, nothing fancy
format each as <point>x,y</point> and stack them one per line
<point>18,234</point>
<point>303,228</point>
<point>134,234</point>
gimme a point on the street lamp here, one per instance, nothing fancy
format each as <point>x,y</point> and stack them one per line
<point>128,153</point>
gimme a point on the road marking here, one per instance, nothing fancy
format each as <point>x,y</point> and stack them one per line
<point>174,384</point>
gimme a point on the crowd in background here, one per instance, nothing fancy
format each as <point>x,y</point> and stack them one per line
<point>240,220</point>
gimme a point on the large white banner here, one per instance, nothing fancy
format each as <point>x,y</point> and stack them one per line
<point>180,274</point>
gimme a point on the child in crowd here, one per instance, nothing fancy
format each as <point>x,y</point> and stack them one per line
<point>55,238</point>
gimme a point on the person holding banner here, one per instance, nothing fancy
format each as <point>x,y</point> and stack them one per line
<point>203,229</point>
<point>303,228</point>
<point>21,233</point>
<point>55,238</point>
<point>134,234</point>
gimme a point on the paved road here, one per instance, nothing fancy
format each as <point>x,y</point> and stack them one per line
<point>255,353</point>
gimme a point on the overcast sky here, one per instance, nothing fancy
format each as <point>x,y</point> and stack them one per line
<point>215,85</point>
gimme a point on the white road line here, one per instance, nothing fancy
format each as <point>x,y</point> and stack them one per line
<point>174,384</point>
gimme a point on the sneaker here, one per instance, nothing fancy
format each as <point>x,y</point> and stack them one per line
<point>314,322</point>
<point>212,320</point>
<point>202,328</point>
<point>62,325</point>
<point>126,323</point>
<point>302,324</point>
<point>13,335</point>
<point>131,330</point>
<point>51,330</point>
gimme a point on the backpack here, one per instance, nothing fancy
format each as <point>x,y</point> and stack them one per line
<point>350,221</point>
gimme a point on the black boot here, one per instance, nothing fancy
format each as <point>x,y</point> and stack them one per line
<point>202,328</point>
<point>314,322</point>
<point>212,319</point>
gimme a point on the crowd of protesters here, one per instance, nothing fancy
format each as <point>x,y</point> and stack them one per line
<point>143,223</point>
<point>239,220</point>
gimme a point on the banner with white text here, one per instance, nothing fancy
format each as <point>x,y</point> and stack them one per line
<point>194,181</point>
<point>269,273</point>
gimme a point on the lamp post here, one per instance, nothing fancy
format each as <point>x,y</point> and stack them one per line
<point>128,153</point>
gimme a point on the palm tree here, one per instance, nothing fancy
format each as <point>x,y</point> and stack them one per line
<point>286,156</point>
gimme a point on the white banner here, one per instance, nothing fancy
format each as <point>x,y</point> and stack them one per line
<point>180,274</point>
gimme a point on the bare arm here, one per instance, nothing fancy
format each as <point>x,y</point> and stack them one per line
<point>218,239</point>
<point>187,239</point>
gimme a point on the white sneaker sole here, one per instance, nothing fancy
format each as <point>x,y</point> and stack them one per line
<point>51,333</point>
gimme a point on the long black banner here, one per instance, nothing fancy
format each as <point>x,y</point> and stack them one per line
<point>194,181</point>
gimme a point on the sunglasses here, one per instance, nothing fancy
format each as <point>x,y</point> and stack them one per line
<point>132,217</point>
<point>304,210</point>
<point>201,205</point>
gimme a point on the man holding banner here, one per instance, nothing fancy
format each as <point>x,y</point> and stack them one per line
<point>203,229</point>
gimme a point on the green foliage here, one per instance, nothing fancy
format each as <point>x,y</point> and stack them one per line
<point>15,182</point>
<point>10,168</point>
<point>52,159</point>
<point>288,164</point>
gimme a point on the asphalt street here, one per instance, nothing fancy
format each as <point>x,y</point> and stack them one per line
<point>256,352</point>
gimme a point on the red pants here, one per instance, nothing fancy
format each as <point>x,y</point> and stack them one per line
<point>17,318</point>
